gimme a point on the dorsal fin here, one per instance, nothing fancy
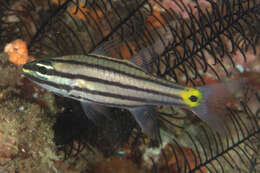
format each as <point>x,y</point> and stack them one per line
<point>106,48</point>
<point>144,58</point>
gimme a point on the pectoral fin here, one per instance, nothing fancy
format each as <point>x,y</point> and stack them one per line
<point>94,111</point>
<point>146,117</point>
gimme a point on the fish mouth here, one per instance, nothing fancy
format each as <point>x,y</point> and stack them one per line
<point>26,70</point>
<point>28,67</point>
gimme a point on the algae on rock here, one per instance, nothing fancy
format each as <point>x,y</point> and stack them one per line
<point>30,135</point>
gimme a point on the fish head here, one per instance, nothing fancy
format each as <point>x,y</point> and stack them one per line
<point>42,72</point>
<point>38,70</point>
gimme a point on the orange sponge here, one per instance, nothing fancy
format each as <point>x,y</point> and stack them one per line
<point>17,52</point>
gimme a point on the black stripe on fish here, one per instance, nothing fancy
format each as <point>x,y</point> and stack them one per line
<point>105,104</point>
<point>175,86</point>
<point>112,83</point>
<point>100,93</point>
<point>109,59</point>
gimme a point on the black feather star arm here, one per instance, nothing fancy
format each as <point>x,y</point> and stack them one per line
<point>189,43</point>
<point>80,132</point>
<point>66,27</point>
<point>200,42</point>
<point>209,39</point>
<point>208,151</point>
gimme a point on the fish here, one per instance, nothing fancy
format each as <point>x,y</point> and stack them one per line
<point>99,81</point>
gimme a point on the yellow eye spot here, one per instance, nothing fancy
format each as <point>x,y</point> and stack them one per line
<point>192,97</point>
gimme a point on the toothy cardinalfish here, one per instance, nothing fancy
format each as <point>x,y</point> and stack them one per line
<point>97,80</point>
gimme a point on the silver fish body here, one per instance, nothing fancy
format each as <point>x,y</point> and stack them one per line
<point>104,80</point>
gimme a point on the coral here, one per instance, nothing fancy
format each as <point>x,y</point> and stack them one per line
<point>26,137</point>
<point>85,161</point>
<point>117,165</point>
<point>27,116</point>
<point>183,153</point>
<point>10,74</point>
<point>12,80</point>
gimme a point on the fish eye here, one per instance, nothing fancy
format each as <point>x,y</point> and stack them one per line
<point>43,70</point>
<point>193,98</point>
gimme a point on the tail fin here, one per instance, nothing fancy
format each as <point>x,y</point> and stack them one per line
<point>213,107</point>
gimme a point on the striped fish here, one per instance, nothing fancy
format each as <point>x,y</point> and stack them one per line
<point>97,80</point>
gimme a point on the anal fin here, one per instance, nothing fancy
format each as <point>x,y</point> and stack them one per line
<point>146,117</point>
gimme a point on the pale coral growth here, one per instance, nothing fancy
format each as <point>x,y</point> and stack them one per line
<point>11,15</point>
<point>10,75</point>
<point>253,66</point>
<point>117,165</point>
<point>26,138</point>
<point>82,12</point>
<point>85,161</point>
<point>178,163</point>
<point>252,62</point>
<point>154,153</point>
<point>8,140</point>
<point>156,20</point>
<point>58,1</point>
<point>17,51</point>
<point>179,8</point>
<point>96,14</point>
